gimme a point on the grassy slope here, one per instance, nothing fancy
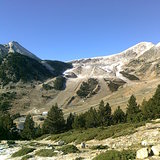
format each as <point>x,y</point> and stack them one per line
<point>79,136</point>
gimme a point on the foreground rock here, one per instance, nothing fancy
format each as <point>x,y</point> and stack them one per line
<point>142,153</point>
<point>156,150</point>
<point>150,153</point>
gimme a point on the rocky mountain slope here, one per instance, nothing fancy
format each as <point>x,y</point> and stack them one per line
<point>87,81</point>
<point>128,72</point>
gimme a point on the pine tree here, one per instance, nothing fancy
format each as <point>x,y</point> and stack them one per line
<point>132,105</point>
<point>151,108</point>
<point>54,123</point>
<point>38,131</point>
<point>70,120</point>
<point>28,132</point>
<point>132,110</point>
<point>101,105</point>
<point>104,114</point>
<point>79,121</point>
<point>145,107</point>
<point>7,121</point>
<point>6,125</point>
<point>156,96</point>
<point>91,118</point>
<point>156,103</point>
<point>119,116</point>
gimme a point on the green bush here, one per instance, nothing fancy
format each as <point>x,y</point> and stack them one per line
<point>79,158</point>
<point>99,147</point>
<point>69,149</point>
<point>11,142</point>
<point>23,152</point>
<point>46,153</point>
<point>47,87</point>
<point>117,155</point>
<point>75,136</point>
<point>26,157</point>
<point>82,135</point>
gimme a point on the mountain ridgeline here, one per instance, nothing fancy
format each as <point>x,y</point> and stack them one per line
<point>80,83</point>
<point>16,66</point>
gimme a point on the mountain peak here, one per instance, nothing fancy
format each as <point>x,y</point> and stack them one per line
<point>13,42</point>
<point>141,47</point>
<point>14,46</point>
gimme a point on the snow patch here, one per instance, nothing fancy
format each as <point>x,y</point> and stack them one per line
<point>158,45</point>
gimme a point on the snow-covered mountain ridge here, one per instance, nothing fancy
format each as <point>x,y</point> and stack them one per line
<point>97,67</point>
<point>108,66</point>
<point>139,48</point>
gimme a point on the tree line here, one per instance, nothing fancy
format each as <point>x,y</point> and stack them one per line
<point>102,117</point>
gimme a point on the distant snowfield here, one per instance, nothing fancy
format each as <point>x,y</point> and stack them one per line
<point>108,66</point>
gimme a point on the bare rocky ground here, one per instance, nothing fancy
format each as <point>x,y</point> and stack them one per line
<point>144,137</point>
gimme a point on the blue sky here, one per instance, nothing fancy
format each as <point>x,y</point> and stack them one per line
<point>73,29</point>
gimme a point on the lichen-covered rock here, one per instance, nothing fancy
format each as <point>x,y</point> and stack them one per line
<point>142,153</point>
<point>60,143</point>
<point>83,145</point>
<point>156,150</point>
